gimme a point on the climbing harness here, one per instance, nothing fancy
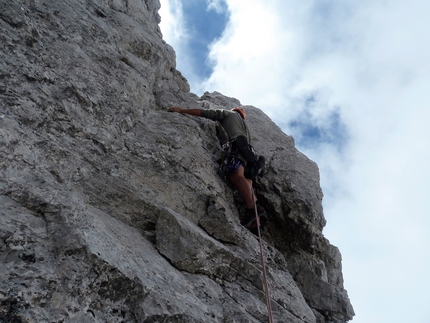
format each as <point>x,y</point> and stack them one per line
<point>230,160</point>
<point>263,265</point>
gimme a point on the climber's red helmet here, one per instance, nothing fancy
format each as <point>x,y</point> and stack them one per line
<point>241,112</point>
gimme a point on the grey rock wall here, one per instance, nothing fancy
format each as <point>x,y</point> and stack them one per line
<point>111,208</point>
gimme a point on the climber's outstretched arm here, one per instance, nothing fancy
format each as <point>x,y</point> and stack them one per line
<point>193,112</point>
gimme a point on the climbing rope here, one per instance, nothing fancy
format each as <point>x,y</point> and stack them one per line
<point>263,264</point>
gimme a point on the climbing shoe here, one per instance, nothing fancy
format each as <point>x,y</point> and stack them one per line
<point>260,210</point>
<point>254,228</point>
<point>249,219</point>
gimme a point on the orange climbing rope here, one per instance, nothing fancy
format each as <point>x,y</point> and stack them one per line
<point>263,264</point>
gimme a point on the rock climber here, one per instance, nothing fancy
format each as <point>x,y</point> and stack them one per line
<point>245,165</point>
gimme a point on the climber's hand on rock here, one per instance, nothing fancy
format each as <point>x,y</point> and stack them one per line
<point>175,109</point>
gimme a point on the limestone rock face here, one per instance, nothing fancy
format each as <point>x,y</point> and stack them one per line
<point>111,208</point>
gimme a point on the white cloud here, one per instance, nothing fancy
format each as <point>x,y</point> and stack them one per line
<point>246,44</point>
<point>175,33</point>
<point>217,5</point>
<point>369,62</point>
<point>172,24</point>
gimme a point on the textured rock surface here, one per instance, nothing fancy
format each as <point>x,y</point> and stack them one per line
<point>111,209</point>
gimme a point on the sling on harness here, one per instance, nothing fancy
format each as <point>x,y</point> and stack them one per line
<point>255,164</point>
<point>245,148</point>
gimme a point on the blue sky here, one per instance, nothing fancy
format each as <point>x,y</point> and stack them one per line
<point>203,25</point>
<point>350,81</point>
